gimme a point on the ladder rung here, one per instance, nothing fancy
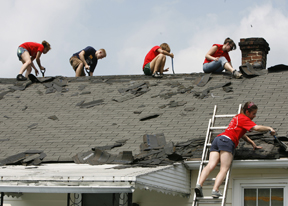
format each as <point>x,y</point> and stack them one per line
<point>228,115</point>
<point>208,145</point>
<point>209,199</point>
<point>215,128</point>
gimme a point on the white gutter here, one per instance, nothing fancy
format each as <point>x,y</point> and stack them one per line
<point>66,189</point>
<point>246,164</point>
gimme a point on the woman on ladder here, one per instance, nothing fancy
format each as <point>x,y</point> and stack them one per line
<point>224,144</point>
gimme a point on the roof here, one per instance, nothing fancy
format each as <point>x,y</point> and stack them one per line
<point>73,115</point>
<point>57,178</point>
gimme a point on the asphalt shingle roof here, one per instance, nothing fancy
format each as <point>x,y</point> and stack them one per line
<point>33,120</point>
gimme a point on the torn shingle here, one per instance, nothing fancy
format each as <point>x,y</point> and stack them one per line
<point>202,81</point>
<point>132,92</point>
<point>53,117</point>
<point>205,92</point>
<point>80,103</point>
<point>82,87</point>
<point>137,112</point>
<point>39,92</point>
<point>151,116</point>
<point>50,90</point>
<point>24,158</point>
<point>82,93</point>
<point>189,109</point>
<point>92,103</point>
<point>109,147</point>
<point>248,71</point>
<point>228,89</point>
<point>33,126</point>
<point>2,140</point>
<point>75,94</point>
<point>177,104</point>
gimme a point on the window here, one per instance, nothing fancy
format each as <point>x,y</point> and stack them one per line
<point>260,192</point>
<point>263,196</point>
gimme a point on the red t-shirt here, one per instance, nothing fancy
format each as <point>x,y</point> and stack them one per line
<point>238,126</point>
<point>151,55</point>
<point>32,48</point>
<point>219,53</point>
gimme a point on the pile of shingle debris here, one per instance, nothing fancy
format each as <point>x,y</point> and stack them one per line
<point>155,151</point>
<point>27,158</point>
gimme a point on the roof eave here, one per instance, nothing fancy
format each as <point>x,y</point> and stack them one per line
<point>247,164</point>
<point>67,189</point>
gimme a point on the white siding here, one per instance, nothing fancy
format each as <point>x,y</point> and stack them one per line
<point>175,178</point>
<point>36,199</point>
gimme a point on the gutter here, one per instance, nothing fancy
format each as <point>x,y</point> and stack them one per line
<point>66,189</point>
<point>247,164</point>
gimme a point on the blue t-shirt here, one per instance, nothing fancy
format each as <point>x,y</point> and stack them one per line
<point>89,56</point>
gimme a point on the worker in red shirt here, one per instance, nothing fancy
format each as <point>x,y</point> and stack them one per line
<point>217,59</point>
<point>26,53</point>
<point>155,59</point>
<point>224,144</point>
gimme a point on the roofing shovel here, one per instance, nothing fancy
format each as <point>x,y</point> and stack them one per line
<point>43,71</point>
<point>88,71</point>
<point>172,66</point>
<point>283,142</point>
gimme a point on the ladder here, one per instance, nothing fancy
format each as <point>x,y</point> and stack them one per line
<point>205,159</point>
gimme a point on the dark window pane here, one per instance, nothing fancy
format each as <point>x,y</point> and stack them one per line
<point>250,197</point>
<point>277,197</point>
<point>264,197</point>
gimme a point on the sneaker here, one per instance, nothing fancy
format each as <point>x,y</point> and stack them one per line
<point>216,194</point>
<point>236,74</point>
<point>156,75</point>
<point>198,191</point>
<point>20,77</point>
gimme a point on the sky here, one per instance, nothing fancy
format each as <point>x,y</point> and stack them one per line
<point>128,29</point>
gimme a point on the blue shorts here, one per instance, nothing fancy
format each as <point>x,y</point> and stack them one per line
<point>20,51</point>
<point>222,143</point>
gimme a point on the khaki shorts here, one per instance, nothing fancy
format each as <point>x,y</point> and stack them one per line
<point>74,61</point>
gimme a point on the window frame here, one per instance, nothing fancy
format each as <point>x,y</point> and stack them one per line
<point>240,184</point>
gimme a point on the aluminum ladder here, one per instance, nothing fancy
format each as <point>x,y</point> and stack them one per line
<point>205,159</point>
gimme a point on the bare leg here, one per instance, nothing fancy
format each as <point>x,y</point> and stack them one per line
<point>26,60</point>
<point>28,71</point>
<point>79,70</point>
<point>158,63</point>
<point>214,158</point>
<point>228,67</point>
<point>226,160</point>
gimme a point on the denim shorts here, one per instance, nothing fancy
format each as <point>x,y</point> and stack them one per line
<point>222,143</point>
<point>147,69</point>
<point>215,66</point>
<point>20,51</point>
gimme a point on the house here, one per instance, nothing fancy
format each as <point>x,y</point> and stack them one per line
<point>46,127</point>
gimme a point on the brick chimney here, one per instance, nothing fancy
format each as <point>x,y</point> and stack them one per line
<point>254,51</point>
